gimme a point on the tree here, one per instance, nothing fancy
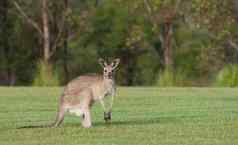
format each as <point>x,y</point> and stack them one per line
<point>162,15</point>
<point>220,18</point>
<point>49,40</point>
<point>44,30</point>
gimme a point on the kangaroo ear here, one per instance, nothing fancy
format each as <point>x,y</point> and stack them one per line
<point>102,62</point>
<point>115,63</point>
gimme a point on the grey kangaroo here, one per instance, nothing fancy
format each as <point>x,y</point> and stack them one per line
<point>81,93</point>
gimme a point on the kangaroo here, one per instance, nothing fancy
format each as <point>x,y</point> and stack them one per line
<point>80,94</point>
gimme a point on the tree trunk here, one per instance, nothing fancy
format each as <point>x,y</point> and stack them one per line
<point>5,40</point>
<point>98,3</point>
<point>167,45</point>
<point>130,63</point>
<point>46,33</point>
<point>12,78</point>
<point>66,35</point>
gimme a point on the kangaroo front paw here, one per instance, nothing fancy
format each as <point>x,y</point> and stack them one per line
<point>86,121</point>
<point>86,124</point>
<point>107,116</point>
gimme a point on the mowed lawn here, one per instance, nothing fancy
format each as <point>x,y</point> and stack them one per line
<point>141,116</point>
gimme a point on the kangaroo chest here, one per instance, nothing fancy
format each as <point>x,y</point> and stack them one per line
<point>106,88</point>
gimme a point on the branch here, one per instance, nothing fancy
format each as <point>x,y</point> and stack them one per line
<point>233,44</point>
<point>177,6</point>
<point>151,13</point>
<point>29,20</point>
<point>61,27</point>
<point>59,36</point>
<point>149,9</point>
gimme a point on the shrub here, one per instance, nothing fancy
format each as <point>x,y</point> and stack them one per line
<point>45,76</point>
<point>169,78</point>
<point>227,77</point>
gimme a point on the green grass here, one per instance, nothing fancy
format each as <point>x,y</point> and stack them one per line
<point>141,116</point>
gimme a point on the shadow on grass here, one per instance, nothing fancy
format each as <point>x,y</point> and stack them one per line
<point>151,121</point>
<point>36,126</point>
<point>146,121</point>
<point>31,126</point>
<point>127,122</point>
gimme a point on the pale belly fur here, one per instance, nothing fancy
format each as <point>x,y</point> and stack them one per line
<point>76,111</point>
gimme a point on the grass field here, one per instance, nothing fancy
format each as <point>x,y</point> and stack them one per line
<point>141,116</point>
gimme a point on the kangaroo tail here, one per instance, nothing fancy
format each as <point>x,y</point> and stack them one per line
<point>59,117</point>
<point>60,114</point>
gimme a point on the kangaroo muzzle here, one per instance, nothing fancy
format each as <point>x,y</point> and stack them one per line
<point>110,75</point>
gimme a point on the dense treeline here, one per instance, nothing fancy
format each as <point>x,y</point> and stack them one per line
<point>160,42</point>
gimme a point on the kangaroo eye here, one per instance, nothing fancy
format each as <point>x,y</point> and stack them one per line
<point>105,71</point>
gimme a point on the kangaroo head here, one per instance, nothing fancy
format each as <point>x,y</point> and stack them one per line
<point>108,69</point>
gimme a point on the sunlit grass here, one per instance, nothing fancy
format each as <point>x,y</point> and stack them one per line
<point>141,116</point>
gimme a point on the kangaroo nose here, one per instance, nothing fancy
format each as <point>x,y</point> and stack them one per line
<point>110,74</point>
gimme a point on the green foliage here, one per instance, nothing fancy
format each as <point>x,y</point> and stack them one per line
<point>169,78</point>
<point>146,69</point>
<point>166,78</point>
<point>228,76</point>
<point>107,29</point>
<point>45,76</point>
<point>204,38</point>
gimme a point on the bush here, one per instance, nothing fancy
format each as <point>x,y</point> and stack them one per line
<point>169,78</point>
<point>227,77</point>
<point>45,76</point>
